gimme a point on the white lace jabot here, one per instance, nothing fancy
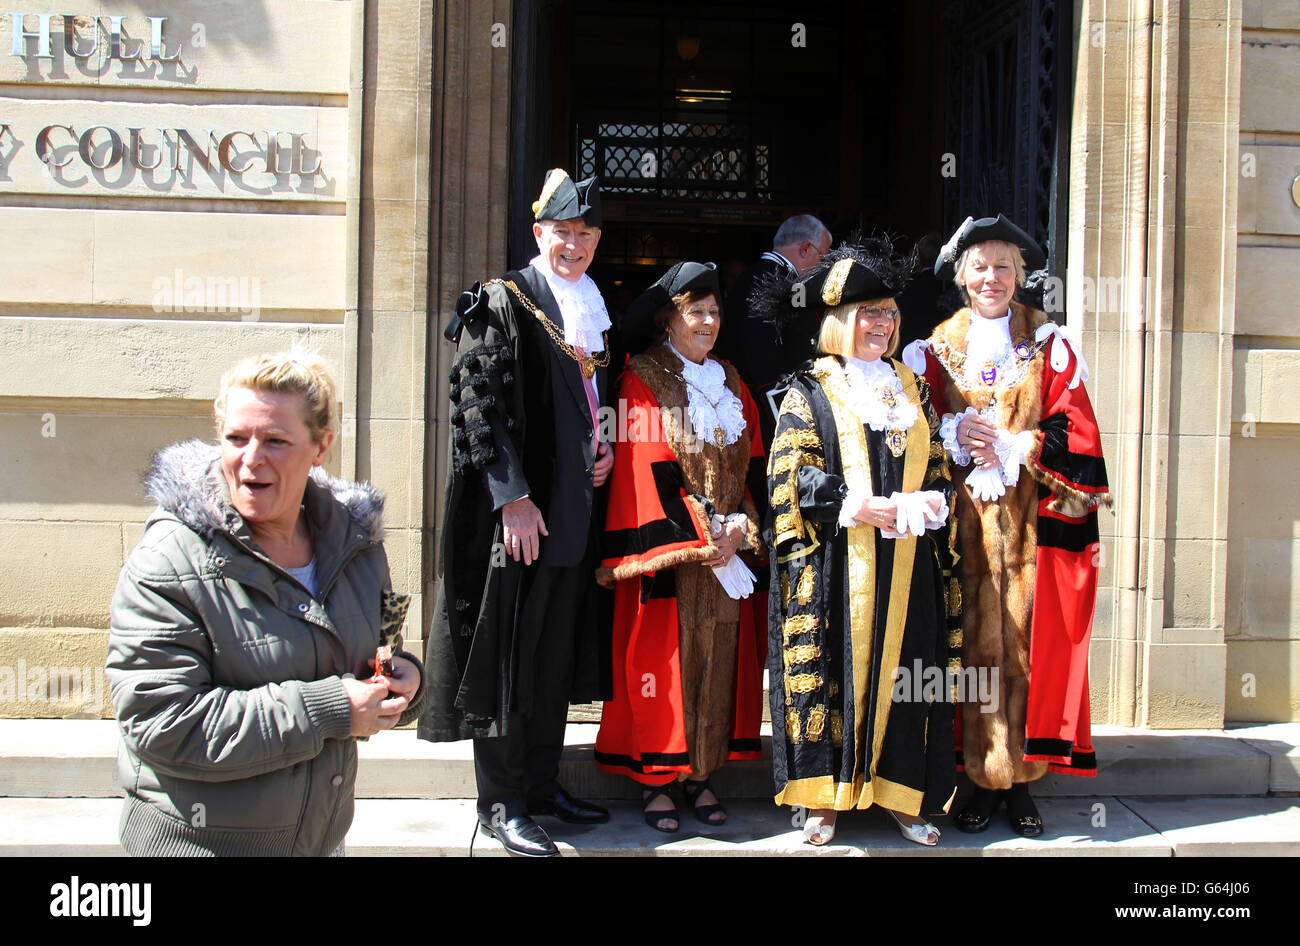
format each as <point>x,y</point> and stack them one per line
<point>988,341</point>
<point>581,306</point>
<point>709,400</point>
<point>869,383</point>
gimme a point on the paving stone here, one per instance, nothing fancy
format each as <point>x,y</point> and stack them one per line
<point>1281,741</point>
<point>445,827</point>
<point>1215,827</point>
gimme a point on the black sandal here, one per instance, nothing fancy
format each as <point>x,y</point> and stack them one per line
<point>693,790</point>
<point>653,817</point>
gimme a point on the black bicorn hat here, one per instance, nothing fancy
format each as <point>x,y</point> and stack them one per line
<point>637,324</point>
<point>563,199</point>
<point>856,271</point>
<point>974,231</point>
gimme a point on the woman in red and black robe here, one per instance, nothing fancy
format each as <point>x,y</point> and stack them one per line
<point>1011,389</point>
<point>687,655</point>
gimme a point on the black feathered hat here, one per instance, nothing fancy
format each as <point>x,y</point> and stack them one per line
<point>562,199</point>
<point>974,231</point>
<point>862,269</point>
<point>637,324</point>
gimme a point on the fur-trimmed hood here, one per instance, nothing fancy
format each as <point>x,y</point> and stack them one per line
<point>182,482</point>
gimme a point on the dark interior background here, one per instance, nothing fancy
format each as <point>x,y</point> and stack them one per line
<point>710,122</point>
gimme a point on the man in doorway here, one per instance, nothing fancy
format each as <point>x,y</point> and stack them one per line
<point>750,343</point>
<point>514,635</point>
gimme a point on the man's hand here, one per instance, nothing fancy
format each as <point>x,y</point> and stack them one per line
<point>978,436</point>
<point>604,464</point>
<point>521,521</point>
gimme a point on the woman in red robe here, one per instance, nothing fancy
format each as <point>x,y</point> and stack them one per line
<point>1011,389</point>
<point>687,659</point>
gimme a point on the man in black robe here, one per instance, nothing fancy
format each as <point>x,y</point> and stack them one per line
<point>514,635</point>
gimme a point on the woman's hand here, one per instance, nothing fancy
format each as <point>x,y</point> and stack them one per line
<point>978,436</point>
<point>372,707</point>
<point>878,511</point>
<point>729,542</point>
<point>404,680</point>
<point>934,503</point>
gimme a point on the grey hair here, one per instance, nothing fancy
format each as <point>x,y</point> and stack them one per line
<point>799,229</point>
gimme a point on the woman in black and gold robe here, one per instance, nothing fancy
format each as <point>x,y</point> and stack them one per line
<point>864,627</point>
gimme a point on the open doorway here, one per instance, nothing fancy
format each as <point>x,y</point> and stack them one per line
<point>710,122</point>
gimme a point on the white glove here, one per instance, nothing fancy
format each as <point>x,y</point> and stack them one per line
<point>735,577</point>
<point>986,483</point>
<point>914,515</point>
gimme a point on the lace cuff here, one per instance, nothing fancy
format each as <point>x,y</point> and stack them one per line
<point>852,503</point>
<point>1012,449</point>
<point>948,431</point>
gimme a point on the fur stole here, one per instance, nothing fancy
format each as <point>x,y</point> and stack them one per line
<point>999,547</point>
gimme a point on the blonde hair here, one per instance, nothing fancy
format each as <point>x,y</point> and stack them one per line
<point>297,371</point>
<point>1017,258</point>
<point>840,327</point>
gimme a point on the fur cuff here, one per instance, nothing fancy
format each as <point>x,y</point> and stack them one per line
<point>701,515</point>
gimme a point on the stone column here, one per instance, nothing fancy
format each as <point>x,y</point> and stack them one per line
<point>469,145</point>
<point>1263,607</point>
<point>1151,284</point>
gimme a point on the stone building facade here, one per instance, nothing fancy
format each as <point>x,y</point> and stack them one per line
<point>183,183</point>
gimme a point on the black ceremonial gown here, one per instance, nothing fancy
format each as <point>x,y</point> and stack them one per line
<point>519,425</point>
<point>861,627</point>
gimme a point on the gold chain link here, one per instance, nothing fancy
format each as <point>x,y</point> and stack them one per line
<point>586,363</point>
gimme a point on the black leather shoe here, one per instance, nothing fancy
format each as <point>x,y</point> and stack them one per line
<point>1022,812</point>
<point>974,818</point>
<point>521,835</point>
<point>569,809</point>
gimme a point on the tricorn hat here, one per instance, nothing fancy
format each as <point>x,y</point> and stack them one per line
<point>562,199</point>
<point>974,231</point>
<point>637,324</point>
<point>852,272</point>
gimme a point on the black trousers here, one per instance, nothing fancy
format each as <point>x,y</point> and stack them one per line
<point>525,762</point>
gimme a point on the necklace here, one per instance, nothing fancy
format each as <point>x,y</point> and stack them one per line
<point>586,363</point>
<point>880,402</point>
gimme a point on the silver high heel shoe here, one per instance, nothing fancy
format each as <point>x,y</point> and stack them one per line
<point>925,834</point>
<point>818,830</point>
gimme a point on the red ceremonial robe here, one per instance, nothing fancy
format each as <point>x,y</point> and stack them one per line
<point>1029,561</point>
<point>673,623</point>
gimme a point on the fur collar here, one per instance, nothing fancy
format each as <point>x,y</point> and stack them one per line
<point>1024,323</point>
<point>182,482</point>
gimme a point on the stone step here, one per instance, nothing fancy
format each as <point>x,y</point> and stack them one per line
<point>1075,827</point>
<point>47,758</point>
